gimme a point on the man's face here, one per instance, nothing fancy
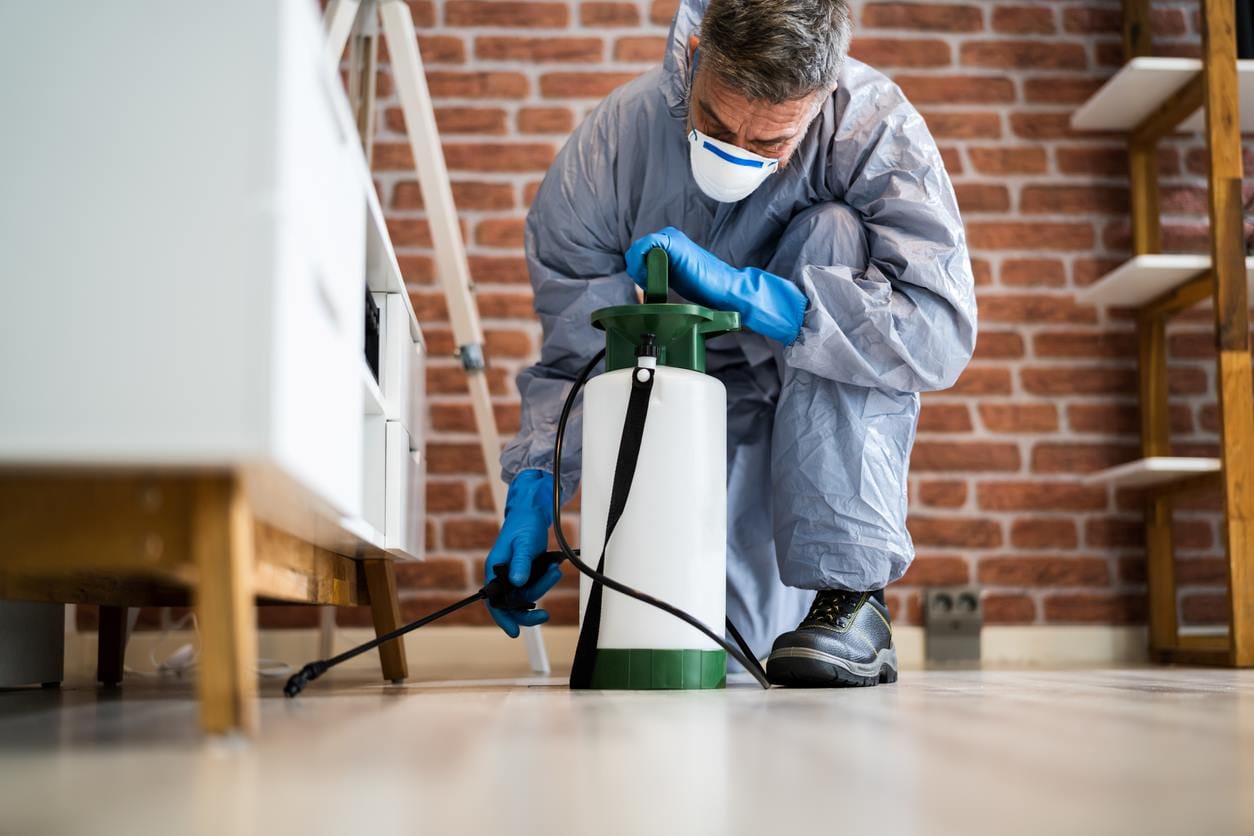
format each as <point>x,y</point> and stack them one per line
<point>769,130</point>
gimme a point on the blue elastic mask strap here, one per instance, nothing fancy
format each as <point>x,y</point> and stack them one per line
<point>737,160</point>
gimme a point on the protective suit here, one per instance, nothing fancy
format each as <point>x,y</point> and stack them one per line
<point>863,219</point>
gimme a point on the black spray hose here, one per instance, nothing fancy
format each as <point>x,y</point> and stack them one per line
<point>745,657</point>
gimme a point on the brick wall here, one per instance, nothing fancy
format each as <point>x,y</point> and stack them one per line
<point>1050,395</point>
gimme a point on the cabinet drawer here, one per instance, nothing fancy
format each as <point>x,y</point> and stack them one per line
<point>406,495</point>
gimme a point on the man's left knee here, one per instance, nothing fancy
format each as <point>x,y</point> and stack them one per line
<point>827,234</point>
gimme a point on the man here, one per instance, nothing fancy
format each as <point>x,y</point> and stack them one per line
<point>799,188</point>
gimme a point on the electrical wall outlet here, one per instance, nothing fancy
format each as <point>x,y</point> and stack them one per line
<point>952,619</point>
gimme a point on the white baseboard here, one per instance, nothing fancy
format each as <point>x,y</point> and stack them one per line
<point>478,652</point>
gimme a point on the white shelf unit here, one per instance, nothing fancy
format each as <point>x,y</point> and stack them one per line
<point>1144,83</point>
<point>209,314</point>
<point>1155,470</point>
<point>1144,278</point>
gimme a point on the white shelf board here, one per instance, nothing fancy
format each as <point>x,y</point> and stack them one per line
<point>1154,470</point>
<point>1144,83</point>
<point>1146,277</point>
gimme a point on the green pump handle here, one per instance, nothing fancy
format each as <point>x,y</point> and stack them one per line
<point>657,283</point>
<point>657,289</point>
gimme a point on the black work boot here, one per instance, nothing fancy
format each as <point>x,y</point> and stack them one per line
<point>845,640</point>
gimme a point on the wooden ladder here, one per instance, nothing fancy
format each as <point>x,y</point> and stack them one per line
<point>1149,99</point>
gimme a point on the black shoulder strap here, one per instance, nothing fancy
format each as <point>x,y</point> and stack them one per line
<point>624,471</point>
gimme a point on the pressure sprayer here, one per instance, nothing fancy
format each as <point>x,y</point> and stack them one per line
<point>654,431</point>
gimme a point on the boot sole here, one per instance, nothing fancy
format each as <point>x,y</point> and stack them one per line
<point>805,667</point>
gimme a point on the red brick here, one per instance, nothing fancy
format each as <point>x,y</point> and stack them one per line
<point>1025,308</point>
<point>1060,89</point>
<point>980,380</point>
<point>1042,126</point>
<point>1040,496</point>
<point>1197,344</point>
<point>477,85</point>
<point>1019,417</point>
<point>640,50</point>
<point>484,156</point>
<point>975,124</point>
<point>451,380</point>
<point>433,573</point>
<point>470,533</point>
<point>1000,608</point>
<point>901,52</point>
<point>925,17</point>
<point>1028,570</point>
<point>423,12</point>
<point>1080,344</point>
<point>416,269</point>
<point>954,532</point>
<point>545,120</point>
<point>510,305</point>
<point>968,456</point>
<point>448,458</point>
<point>1077,457</point>
<point>590,85</point>
<point>505,13</point>
<point>445,495</point>
<point>948,493</point>
<point>981,271</point>
<point>1053,533</point>
<point>539,50</point>
<point>436,49</point>
<point>459,120</point>
<point>1007,160</point>
<point>1073,199</point>
<point>496,269</point>
<point>947,418</point>
<point>1205,608</point>
<point>956,89</point>
<point>937,570</point>
<point>662,11</point>
<point>1077,608</point>
<point>998,345</point>
<point>1113,532</point>
<point>982,197</point>
<point>1073,380</point>
<point>466,195</point>
<point>608,14</point>
<point>1024,55</point>
<point>1033,272</point>
<point>409,232</point>
<point>1085,271</point>
<point>1212,571</point>
<point>1014,235</point>
<point>500,232</point>
<point>1023,20</point>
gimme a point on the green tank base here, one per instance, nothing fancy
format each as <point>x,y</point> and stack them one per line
<point>658,670</point>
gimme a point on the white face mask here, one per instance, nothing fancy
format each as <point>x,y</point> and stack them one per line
<point>725,172</point>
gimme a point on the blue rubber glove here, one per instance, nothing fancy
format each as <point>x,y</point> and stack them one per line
<point>768,304</point>
<point>524,536</point>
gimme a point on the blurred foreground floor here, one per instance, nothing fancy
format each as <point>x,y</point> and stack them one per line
<point>1146,750</point>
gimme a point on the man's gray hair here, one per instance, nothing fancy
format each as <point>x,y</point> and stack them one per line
<point>776,50</point>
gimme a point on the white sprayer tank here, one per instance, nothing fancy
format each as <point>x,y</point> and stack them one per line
<point>671,540</point>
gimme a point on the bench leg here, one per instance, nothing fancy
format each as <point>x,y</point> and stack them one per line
<point>222,547</point>
<point>385,609</point>
<point>111,646</point>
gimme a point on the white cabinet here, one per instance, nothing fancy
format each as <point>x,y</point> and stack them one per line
<point>185,249</point>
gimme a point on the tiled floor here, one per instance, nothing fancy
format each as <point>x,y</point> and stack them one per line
<point>1144,750</point>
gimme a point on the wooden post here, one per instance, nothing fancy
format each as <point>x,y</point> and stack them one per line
<point>1152,356</point>
<point>1232,325</point>
<point>385,609</point>
<point>1136,28</point>
<point>111,646</point>
<point>222,552</point>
